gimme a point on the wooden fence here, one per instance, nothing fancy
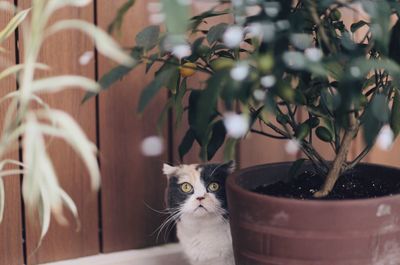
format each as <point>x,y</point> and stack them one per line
<point>117,217</point>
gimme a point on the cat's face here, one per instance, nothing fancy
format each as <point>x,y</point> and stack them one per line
<point>197,190</point>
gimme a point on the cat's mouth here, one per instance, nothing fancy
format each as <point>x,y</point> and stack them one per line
<point>201,207</point>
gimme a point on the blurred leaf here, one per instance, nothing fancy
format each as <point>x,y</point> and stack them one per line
<point>215,33</point>
<point>218,134</point>
<point>15,69</point>
<point>13,24</point>
<point>394,45</point>
<point>207,104</point>
<point>359,24</point>
<point>104,43</point>
<point>395,114</point>
<point>380,108</point>
<point>148,37</point>
<point>295,167</point>
<point>302,131</point>
<point>380,12</point>
<point>186,144</point>
<point>230,148</point>
<point>372,122</point>
<point>159,81</point>
<point>117,21</point>
<point>198,19</point>
<point>177,16</point>
<point>58,83</point>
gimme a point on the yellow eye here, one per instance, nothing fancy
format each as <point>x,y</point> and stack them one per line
<point>186,187</point>
<point>213,186</point>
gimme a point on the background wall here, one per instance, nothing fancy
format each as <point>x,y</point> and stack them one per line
<point>116,218</point>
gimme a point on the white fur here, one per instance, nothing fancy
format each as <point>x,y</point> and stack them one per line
<point>206,240</point>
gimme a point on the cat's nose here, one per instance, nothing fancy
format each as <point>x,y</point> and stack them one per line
<point>200,198</point>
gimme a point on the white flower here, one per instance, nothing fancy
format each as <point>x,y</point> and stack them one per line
<point>313,54</point>
<point>282,24</point>
<point>233,36</point>
<point>355,71</point>
<point>152,146</point>
<point>240,71</point>
<point>154,7</point>
<point>294,60</point>
<point>268,31</point>
<point>181,50</point>
<point>385,138</point>
<point>254,30</point>
<point>301,40</point>
<point>292,146</point>
<point>259,94</point>
<point>272,8</point>
<point>236,125</point>
<point>157,18</point>
<point>86,57</point>
<point>268,81</point>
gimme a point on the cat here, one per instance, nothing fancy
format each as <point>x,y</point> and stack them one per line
<point>197,202</point>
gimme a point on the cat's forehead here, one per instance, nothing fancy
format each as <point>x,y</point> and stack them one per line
<point>188,173</point>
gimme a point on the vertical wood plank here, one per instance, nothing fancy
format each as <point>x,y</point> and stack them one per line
<point>11,227</point>
<point>62,52</point>
<point>130,180</point>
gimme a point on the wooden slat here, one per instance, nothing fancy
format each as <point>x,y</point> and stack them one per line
<point>62,52</point>
<point>11,227</point>
<point>130,180</point>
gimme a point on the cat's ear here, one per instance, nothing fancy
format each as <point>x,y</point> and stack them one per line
<point>169,170</point>
<point>229,166</point>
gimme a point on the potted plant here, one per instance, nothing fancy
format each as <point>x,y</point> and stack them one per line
<point>274,60</point>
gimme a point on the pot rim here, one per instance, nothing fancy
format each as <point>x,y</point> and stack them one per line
<point>234,186</point>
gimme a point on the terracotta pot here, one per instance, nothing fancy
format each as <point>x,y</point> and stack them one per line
<point>267,230</point>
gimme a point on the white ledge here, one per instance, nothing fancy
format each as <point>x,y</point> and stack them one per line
<point>170,254</point>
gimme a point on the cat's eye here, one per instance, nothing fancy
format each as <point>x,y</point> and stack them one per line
<point>213,186</point>
<point>186,187</point>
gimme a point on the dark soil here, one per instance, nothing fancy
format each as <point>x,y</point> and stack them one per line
<point>349,186</point>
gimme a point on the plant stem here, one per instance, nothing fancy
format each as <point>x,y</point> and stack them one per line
<point>267,134</point>
<point>363,153</point>
<point>320,26</point>
<point>339,163</point>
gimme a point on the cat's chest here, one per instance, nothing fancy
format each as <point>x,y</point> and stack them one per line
<point>205,240</point>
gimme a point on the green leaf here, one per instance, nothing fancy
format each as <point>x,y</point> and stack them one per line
<point>324,134</point>
<point>302,131</point>
<point>178,101</point>
<point>380,108</point>
<point>394,45</point>
<point>230,149</point>
<point>186,143</point>
<point>148,37</point>
<point>117,21</point>
<point>380,12</point>
<point>215,33</point>
<point>295,167</point>
<point>395,114</point>
<point>218,134</point>
<point>207,104</point>
<point>359,24</point>
<point>160,80</point>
